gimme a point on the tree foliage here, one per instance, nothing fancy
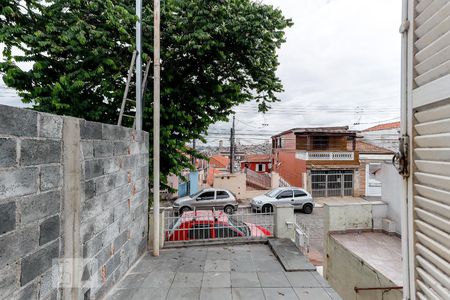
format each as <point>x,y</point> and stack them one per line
<point>215,54</point>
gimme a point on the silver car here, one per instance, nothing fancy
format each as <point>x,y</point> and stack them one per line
<point>207,199</point>
<point>298,197</point>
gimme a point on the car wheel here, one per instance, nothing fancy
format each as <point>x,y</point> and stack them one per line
<point>184,209</point>
<point>267,208</point>
<point>307,208</point>
<point>228,209</point>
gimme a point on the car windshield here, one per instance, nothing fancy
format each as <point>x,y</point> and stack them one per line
<point>272,193</point>
<point>239,225</point>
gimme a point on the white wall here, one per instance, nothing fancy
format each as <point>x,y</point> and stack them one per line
<point>235,183</point>
<point>391,193</point>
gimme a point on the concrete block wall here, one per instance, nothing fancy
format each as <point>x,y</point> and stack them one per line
<point>114,210</point>
<point>30,202</point>
<point>69,188</point>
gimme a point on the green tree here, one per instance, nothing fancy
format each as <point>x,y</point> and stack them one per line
<point>215,55</point>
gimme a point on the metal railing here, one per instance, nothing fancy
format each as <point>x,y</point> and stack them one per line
<point>301,237</point>
<point>283,182</point>
<point>262,180</point>
<point>325,155</point>
<point>215,225</point>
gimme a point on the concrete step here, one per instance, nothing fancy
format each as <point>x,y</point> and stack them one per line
<point>290,257</point>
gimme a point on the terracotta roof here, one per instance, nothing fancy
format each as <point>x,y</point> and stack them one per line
<point>219,161</point>
<point>384,126</point>
<point>367,148</point>
<point>257,158</point>
<point>329,130</point>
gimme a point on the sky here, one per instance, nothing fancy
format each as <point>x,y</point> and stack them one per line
<point>339,66</point>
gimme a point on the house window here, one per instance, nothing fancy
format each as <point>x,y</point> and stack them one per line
<point>260,167</point>
<point>320,143</point>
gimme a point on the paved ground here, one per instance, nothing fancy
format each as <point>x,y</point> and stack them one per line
<point>219,272</point>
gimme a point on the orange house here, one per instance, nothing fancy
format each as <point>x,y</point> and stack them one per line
<point>323,160</point>
<point>217,164</point>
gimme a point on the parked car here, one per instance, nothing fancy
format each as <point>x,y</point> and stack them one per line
<point>203,224</point>
<point>210,198</point>
<point>298,197</point>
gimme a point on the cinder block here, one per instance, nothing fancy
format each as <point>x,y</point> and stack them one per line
<point>114,132</point>
<point>33,208</point>
<point>18,182</point>
<point>103,149</point>
<point>28,292</point>
<point>38,262</point>
<point>46,287</point>
<point>7,217</point>
<point>93,168</point>
<point>110,233</point>
<point>92,246</point>
<point>17,244</point>
<point>112,264</point>
<point>36,152</point>
<point>121,209</point>
<point>50,177</point>
<point>105,183</point>
<point>87,149</point>
<point>49,230</point>
<point>121,179</point>
<point>121,148</point>
<point>120,240</point>
<point>92,207</point>
<point>8,152</point>
<point>111,165</point>
<point>92,226</point>
<point>129,162</point>
<point>7,281</point>
<point>104,254</point>
<point>50,126</point>
<point>10,125</point>
<point>90,130</point>
<point>89,189</point>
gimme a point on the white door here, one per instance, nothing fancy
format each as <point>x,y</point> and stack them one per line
<point>426,121</point>
<point>373,186</point>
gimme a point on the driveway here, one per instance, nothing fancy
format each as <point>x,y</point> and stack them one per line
<point>219,272</point>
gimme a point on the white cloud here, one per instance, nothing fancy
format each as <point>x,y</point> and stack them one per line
<point>339,54</point>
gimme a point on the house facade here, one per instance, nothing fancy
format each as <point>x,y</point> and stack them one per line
<point>383,135</point>
<point>261,163</point>
<point>372,158</point>
<point>324,160</point>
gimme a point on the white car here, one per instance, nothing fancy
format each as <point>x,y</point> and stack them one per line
<point>297,197</point>
<point>207,199</point>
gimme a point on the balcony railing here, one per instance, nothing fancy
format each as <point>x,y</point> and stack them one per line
<point>325,155</point>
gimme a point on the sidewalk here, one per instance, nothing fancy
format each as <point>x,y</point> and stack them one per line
<point>219,272</point>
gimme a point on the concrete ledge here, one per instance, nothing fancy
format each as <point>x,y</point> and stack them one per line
<point>215,242</point>
<point>290,256</point>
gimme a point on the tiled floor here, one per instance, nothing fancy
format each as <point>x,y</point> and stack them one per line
<point>219,272</point>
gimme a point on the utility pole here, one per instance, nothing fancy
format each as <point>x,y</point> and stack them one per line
<point>193,147</point>
<point>138,119</point>
<point>156,124</point>
<point>232,147</point>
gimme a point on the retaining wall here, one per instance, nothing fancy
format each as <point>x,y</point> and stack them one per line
<point>69,188</point>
